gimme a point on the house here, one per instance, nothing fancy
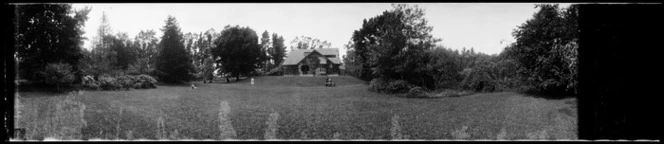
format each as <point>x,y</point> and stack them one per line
<point>324,61</point>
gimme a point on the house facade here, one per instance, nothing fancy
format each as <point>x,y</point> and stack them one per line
<point>312,62</point>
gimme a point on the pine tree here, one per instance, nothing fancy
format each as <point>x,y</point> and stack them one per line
<point>173,65</point>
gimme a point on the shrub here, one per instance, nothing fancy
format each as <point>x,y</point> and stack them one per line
<point>145,81</point>
<point>378,84</point>
<point>108,83</point>
<point>398,86</point>
<point>508,84</point>
<point>90,83</point>
<point>258,72</point>
<point>127,81</point>
<point>275,72</point>
<point>417,92</point>
<point>479,79</point>
<point>389,86</point>
<point>58,74</point>
<point>124,81</point>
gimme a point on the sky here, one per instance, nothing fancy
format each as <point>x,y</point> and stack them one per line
<point>485,27</point>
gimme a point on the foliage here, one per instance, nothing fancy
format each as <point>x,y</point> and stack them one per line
<point>125,51</point>
<point>444,67</point>
<point>237,51</point>
<point>417,92</point>
<point>393,45</point>
<point>101,59</point>
<point>305,42</point>
<point>126,81</point>
<point>144,81</point>
<point>278,50</point>
<point>173,60</point>
<point>118,54</point>
<point>398,86</point>
<point>142,66</point>
<point>275,71</point>
<point>106,82</point>
<point>265,55</point>
<point>198,48</point>
<point>147,46</point>
<point>89,82</point>
<point>389,85</point>
<point>208,69</point>
<point>480,78</point>
<point>377,84</point>
<point>546,48</point>
<point>353,64</point>
<point>48,33</point>
<point>58,74</point>
<point>120,82</point>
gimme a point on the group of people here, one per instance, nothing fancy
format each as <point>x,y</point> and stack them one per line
<point>329,82</point>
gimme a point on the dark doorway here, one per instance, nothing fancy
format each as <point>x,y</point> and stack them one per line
<point>304,69</point>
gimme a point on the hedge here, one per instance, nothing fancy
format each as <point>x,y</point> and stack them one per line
<point>120,82</point>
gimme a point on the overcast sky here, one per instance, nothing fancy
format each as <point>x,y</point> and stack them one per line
<point>481,26</point>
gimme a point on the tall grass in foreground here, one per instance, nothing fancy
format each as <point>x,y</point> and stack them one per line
<point>69,118</point>
<point>64,122</point>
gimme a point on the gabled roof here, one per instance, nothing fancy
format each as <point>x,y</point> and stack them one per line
<point>335,60</point>
<point>295,56</point>
<point>329,51</point>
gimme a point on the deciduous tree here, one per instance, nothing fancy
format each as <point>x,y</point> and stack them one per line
<point>393,45</point>
<point>237,51</point>
<point>48,33</point>
<point>546,48</point>
<point>305,42</point>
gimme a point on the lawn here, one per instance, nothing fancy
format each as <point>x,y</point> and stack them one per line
<point>291,108</point>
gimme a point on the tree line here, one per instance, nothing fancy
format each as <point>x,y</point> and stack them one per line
<point>49,49</point>
<point>396,53</point>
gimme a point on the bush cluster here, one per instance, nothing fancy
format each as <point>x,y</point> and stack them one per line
<point>275,72</point>
<point>389,86</point>
<point>508,83</point>
<point>417,92</point>
<point>479,79</point>
<point>120,82</point>
<point>58,74</point>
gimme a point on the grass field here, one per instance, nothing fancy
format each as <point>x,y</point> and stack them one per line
<point>291,108</point>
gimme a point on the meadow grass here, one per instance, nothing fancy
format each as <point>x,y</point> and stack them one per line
<point>291,108</point>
